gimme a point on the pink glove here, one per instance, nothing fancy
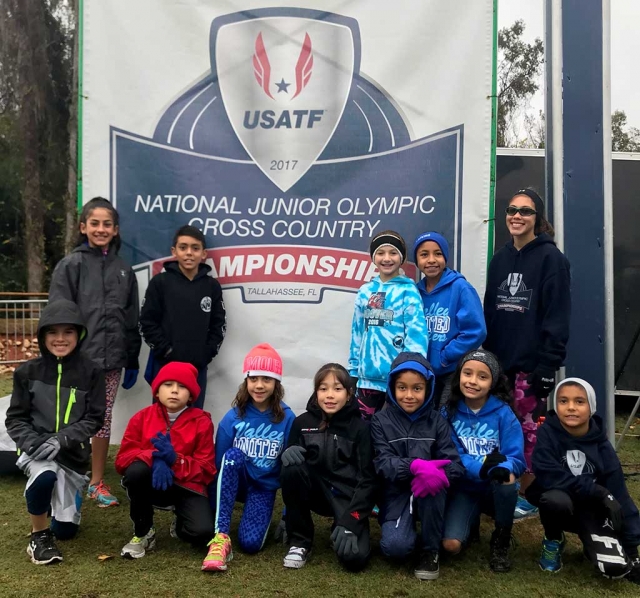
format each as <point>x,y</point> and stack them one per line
<point>428,477</point>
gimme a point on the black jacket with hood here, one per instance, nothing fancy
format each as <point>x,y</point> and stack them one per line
<point>185,317</point>
<point>62,397</point>
<point>399,438</point>
<point>106,291</point>
<point>527,306</point>
<point>576,464</point>
<point>341,455</point>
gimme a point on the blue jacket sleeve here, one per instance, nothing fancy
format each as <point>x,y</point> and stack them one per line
<point>470,325</point>
<point>386,462</point>
<point>224,437</point>
<point>357,330</point>
<point>446,449</point>
<point>512,442</point>
<point>416,337</point>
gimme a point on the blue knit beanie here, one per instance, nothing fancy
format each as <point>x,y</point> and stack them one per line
<point>436,238</point>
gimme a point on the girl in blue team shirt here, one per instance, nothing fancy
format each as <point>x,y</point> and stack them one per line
<point>387,320</point>
<point>452,309</point>
<point>249,441</point>
<point>489,439</point>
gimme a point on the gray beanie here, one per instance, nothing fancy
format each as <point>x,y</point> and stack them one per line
<point>489,359</point>
<point>591,394</point>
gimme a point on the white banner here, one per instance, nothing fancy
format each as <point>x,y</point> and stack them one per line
<point>289,136</point>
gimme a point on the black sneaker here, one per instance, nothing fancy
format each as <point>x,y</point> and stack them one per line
<point>42,548</point>
<point>500,544</point>
<point>428,565</point>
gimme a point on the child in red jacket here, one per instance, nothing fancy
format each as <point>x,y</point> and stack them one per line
<point>167,459</point>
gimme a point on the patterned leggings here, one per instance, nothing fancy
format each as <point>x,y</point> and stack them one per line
<point>258,504</point>
<point>111,380</point>
<point>528,408</point>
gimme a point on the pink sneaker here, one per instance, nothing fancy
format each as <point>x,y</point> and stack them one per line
<point>219,555</point>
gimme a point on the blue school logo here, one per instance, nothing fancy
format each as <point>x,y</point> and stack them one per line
<point>289,159</point>
<point>262,444</point>
<point>438,322</point>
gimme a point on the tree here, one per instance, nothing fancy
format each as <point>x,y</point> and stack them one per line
<point>519,66</point>
<point>34,96</point>
<point>623,138</point>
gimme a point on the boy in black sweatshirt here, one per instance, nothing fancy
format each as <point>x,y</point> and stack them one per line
<point>579,487</point>
<point>183,316</point>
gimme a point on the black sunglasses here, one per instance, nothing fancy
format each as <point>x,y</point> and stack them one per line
<point>524,211</point>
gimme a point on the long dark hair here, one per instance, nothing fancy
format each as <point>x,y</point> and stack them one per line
<point>542,225</point>
<point>342,376</point>
<point>243,398</point>
<point>85,214</point>
<point>500,388</point>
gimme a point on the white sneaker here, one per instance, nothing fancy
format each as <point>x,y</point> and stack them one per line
<point>296,558</point>
<point>138,547</point>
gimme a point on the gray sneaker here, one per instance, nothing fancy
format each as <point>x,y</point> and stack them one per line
<point>138,547</point>
<point>296,558</point>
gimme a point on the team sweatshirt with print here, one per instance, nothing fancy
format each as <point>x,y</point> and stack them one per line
<point>387,320</point>
<point>260,439</point>
<point>475,435</point>
<point>455,321</point>
<point>527,306</point>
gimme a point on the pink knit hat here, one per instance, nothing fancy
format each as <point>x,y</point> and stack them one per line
<point>263,360</point>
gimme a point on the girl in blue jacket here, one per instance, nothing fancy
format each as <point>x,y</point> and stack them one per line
<point>489,439</point>
<point>452,309</point>
<point>249,441</point>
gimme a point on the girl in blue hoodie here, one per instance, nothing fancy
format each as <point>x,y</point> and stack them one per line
<point>387,320</point>
<point>452,309</point>
<point>489,439</point>
<point>249,441</point>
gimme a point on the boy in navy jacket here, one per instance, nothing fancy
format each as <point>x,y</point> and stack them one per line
<point>416,459</point>
<point>579,487</point>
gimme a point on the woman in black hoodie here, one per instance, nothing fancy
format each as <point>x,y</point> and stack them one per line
<point>527,306</point>
<point>328,469</point>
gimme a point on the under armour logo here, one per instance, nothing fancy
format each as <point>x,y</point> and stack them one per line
<point>229,462</point>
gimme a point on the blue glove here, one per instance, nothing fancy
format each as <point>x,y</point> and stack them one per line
<point>161,475</point>
<point>164,448</point>
<point>345,542</point>
<point>130,377</point>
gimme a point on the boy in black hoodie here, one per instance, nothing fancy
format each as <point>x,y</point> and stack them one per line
<point>416,459</point>
<point>183,316</point>
<point>57,405</point>
<point>328,469</point>
<point>579,487</point>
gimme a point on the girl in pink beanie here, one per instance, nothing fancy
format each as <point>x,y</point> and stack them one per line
<point>250,438</point>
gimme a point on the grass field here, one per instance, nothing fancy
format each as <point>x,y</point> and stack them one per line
<point>174,568</point>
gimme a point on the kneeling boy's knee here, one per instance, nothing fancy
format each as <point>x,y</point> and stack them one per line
<point>452,546</point>
<point>396,547</point>
<point>613,570</point>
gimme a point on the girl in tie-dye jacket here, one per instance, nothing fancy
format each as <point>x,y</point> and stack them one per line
<point>387,320</point>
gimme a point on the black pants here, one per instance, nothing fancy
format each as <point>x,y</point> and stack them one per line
<point>559,512</point>
<point>304,491</point>
<point>194,521</point>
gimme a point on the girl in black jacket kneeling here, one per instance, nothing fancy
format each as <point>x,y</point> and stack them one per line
<point>328,469</point>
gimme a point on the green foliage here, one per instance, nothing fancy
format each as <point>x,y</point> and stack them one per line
<point>623,137</point>
<point>519,67</point>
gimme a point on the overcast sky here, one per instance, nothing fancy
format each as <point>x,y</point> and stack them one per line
<point>625,48</point>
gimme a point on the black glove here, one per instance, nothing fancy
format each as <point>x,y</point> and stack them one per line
<point>294,455</point>
<point>500,474</point>
<point>542,380</point>
<point>611,506</point>
<point>345,543</point>
<point>491,460</point>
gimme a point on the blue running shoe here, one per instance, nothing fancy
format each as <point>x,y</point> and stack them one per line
<point>524,509</point>
<point>551,555</point>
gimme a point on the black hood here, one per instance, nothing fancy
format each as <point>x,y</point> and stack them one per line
<point>344,413</point>
<point>596,432</point>
<point>61,311</point>
<point>174,267</point>
<point>417,363</point>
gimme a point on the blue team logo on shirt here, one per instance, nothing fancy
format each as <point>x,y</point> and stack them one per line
<point>262,444</point>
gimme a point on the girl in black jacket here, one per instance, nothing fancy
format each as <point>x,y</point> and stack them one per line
<point>527,306</point>
<point>105,289</point>
<point>328,469</point>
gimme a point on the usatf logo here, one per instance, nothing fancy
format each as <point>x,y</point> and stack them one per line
<point>285,101</point>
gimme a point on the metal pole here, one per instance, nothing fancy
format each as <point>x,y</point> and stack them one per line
<point>557,141</point>
<point>609,340</point>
